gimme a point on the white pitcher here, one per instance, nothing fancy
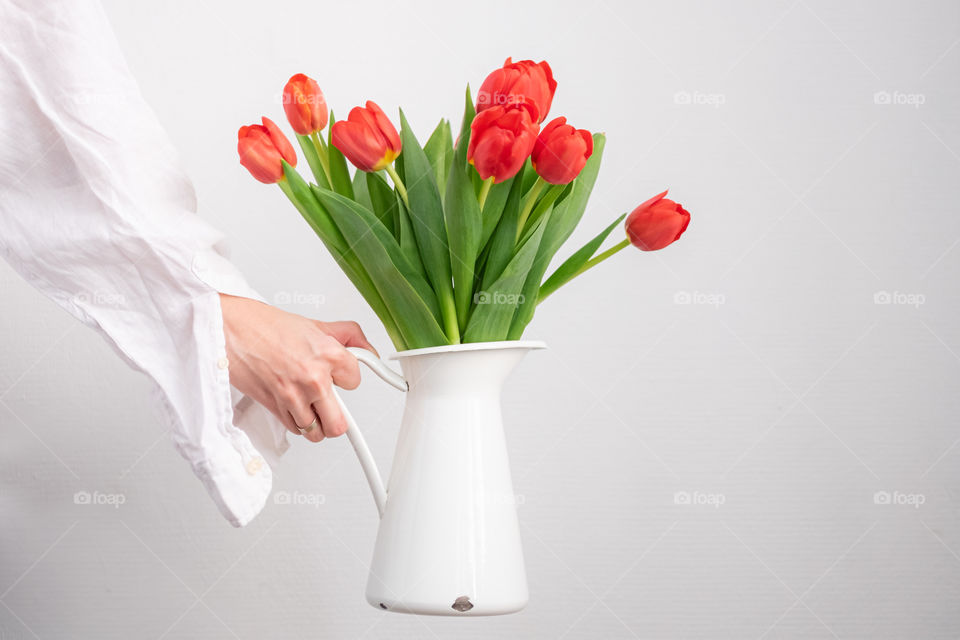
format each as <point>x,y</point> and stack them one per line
<point>449,542</point>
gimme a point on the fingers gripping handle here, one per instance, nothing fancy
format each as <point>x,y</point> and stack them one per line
<point>367,462</point>
<point>377,365</point>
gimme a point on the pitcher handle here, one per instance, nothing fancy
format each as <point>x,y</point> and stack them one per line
<point>367,463</point>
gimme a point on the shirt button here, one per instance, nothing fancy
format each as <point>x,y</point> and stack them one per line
<point>254,466</point>
<point>223,363</point>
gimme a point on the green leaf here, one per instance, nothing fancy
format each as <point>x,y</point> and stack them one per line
<point>408,297</point>
<point>503,241</point>
<point>427,220</point>
<point>566,271</point>
<point>338,206</point>
<point>361,193</point>
<point>563,220</point>
<point>529,177</point>
<point>406,237</point>
<point>496,306</point>
<point>383,200</point>
<point>480,268</point>
<point>493,208</point>
<point>302,196</point>
<point>339,172</point>
<point>462,215</point>
<point>439,151</point>
<point>460,154</point>
<point>543,204</point>
<point>399,164</point>
<point>313,160</point>
<point>305,200</point>
<point>476,180</point>
<point>463,218</point>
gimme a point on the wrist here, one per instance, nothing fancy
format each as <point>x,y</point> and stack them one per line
<point>235,311</point>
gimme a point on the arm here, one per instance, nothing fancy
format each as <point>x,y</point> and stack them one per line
<point>97,214</point>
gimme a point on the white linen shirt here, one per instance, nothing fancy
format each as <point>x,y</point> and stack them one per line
<point>96,212</point>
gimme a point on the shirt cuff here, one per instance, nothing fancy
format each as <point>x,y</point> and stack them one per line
<point>239,481</point>
<point>217,272</point>
<point>235,476</point>
<point>238,478</point>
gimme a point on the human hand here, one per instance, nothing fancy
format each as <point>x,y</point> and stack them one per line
<point>288,363</point>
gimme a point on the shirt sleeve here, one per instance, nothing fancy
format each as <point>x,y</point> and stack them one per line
<point>96,212</point>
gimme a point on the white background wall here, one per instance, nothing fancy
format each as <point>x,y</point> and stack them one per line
<point>793,401</point>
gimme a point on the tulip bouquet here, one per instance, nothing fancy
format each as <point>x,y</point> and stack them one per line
<point>450,241</point>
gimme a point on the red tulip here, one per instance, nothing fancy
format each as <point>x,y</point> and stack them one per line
<point>516,81</point>
<point>561,151</point>
<point>367,138</point>
<point>304,104</point>
<point>501,138</point>
<point>261,149</point>
<point>656,223</point>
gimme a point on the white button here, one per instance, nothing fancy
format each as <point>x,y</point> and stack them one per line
<point>223,363</point>
<point>255,465</point>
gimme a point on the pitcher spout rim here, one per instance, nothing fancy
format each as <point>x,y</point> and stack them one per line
<point>471,346</point>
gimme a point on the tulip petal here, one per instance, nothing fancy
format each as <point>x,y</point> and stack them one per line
<point>280,141</point>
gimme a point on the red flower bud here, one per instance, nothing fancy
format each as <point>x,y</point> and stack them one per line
<point>656,223</point>
<point>261,149</point>
<point>367,138</point>
<point>304,104</point>
<point>501,138</point>
<point>514,82</point>
<point>561,151</point>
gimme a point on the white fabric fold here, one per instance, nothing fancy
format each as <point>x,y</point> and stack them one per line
<point>96,212</point>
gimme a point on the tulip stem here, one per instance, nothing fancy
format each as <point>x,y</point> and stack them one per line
<point>484,191</point>
<point>531,200</point>
<point>592,262</point>
<point>398,183</point>
<point>321,148</point>
<point>448,309</point>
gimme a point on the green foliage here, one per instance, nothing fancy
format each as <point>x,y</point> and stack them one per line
<point>496,306</point>
<point>313,159</point>
<point>383,200</point>
<point>435,266</point>
<point>571,268</point>
<point>439,150</point>
<point>427,221</point>
<point>339,173</point>
<point>406,294</point>
<point>566,215</point>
